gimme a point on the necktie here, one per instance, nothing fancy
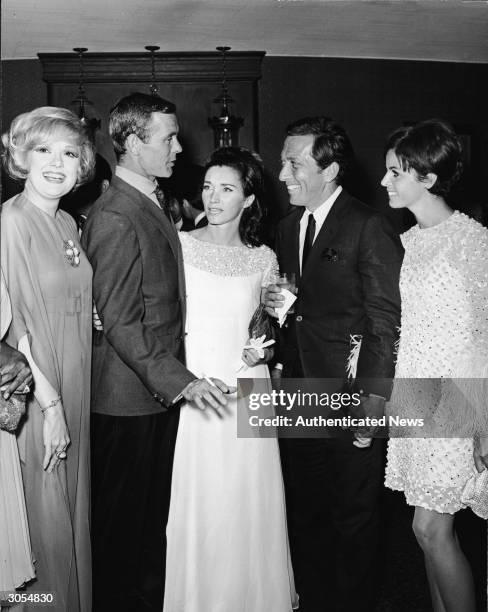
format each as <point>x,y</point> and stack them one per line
<point>159,193</point>
<point>309,236</point>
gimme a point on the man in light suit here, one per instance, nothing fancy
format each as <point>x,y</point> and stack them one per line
<point>347,258</point>
<point>139,374</point>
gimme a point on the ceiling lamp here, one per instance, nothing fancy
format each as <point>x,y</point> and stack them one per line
<point>92,123</point>
<point>153,87</point>
<point>226,126</point>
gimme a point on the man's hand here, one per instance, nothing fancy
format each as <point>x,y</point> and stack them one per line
<point>276,374</point>
<point>15,372</point>
<point>371,406</point>
<point>205,392</point>
<point>480,453</point>
<point>273,299</point>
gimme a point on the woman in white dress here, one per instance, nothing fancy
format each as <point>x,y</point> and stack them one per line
<point>227,537</point>
<point>444,335</point>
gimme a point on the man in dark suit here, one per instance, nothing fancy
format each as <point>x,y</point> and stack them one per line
<point>347,258</point>
<point>138,360</point>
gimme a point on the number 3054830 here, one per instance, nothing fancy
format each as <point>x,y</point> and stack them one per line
<point>12,597</point>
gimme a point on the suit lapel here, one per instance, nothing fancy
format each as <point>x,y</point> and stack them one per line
<point>151,210</point>
<point>162,222</point>
<point>181,282</point>
<point>291,241</point>
<point>168,229</point>
<point>329,229</point>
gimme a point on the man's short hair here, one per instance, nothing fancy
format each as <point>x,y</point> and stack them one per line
<point>331,143</point>
<point>131,115</point>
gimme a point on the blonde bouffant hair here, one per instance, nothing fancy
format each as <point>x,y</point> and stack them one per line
<point>28,130</point>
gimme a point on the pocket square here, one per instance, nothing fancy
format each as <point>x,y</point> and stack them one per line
<point>330,255</point>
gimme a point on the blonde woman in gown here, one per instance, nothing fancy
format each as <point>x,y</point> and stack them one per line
<point>49,282</point>
<point>444,334</point>
<point>227,536</point>
<point>16,567</point>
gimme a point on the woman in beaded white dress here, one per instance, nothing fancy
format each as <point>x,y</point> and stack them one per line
<point>227,537</point>
<point>444,335</point>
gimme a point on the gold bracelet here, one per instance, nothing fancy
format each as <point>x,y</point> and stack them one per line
<point>51,404</point>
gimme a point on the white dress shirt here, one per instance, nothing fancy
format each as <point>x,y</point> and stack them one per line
<point>199,218</point>
<point>320,214</point>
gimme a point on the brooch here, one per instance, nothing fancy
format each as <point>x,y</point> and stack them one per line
<point>330,255</point>
<point>72,253</point>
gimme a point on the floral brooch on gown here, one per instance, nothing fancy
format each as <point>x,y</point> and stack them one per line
<point>72,253</point>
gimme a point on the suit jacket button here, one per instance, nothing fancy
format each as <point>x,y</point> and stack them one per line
<point>299,318</point>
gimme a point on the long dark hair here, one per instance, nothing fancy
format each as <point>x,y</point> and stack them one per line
<point>249,167</point>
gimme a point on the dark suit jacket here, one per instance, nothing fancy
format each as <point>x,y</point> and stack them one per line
<point>139,292</point>
<point>349,287</point>
<point>189,224</point>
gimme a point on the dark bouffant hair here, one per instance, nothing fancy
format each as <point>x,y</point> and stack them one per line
<point>331,143</point>
<point>250,169</point>
<point>430,146</point>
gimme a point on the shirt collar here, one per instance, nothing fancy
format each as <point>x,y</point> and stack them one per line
<point>321,212</point>
<point>139,182</point>
<point>199,217</point>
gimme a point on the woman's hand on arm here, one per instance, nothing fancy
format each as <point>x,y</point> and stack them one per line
<point>55,430</point>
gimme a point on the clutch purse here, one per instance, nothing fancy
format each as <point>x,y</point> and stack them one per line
<point>11,411</point>
<point>475,493</point>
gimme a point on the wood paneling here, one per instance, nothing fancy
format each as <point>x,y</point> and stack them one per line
<point>191,80</point>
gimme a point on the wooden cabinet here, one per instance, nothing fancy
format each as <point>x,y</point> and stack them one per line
<point>191,80</point>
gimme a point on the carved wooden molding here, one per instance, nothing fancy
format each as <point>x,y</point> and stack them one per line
<point>136,67</point>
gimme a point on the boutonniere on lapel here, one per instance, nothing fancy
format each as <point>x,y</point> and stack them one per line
<point>330,255</point>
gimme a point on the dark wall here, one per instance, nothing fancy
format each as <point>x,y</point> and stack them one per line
<point>22,90</point>
<point>369,97</point>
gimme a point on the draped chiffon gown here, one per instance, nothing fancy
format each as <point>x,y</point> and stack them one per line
<point>52,304</point>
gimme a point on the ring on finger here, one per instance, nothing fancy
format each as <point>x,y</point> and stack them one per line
<point>61,454</point>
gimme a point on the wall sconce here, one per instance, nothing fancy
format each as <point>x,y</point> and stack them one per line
<point>153,87</point>
<point>226,126</point>
<point>92,123</point>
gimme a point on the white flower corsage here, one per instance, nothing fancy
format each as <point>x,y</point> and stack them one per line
<point>72,253</point>
<point>258,344</point>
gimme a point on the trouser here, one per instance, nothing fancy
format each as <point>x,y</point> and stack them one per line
<point>132,460</point>
<point>333,494</point>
